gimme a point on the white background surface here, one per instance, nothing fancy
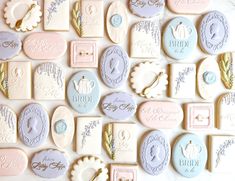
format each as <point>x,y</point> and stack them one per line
<point>170,174</point>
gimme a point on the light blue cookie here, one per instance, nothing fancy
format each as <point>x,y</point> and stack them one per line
<point>179,38</point>
<point>83,91</point>
<point>189,155</point>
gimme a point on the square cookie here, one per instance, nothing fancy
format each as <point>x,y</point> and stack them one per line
<point>88,136</point>
<point>221,154</point>
<point>83,54</point>
<point>120,172</point>
<point>199,116</point>
<point>182,81</point>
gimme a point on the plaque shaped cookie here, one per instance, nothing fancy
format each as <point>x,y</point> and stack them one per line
<point>62,127</point>
<point>199,116</point>
<point>49,82</point>
<point>120,142</point>
<point>148,80</point>
<point>117,22</point>
<point>208,78</point>
<point>56,15</point>
<point>189,155</point>
<point>114,66</point>
<point>221,155</point>
<point>83,91</point>
<point>83,54</point>
<point>123,172</point>
<point>225,113</point>
<point>88,136</point>
<point>33,125</point>
<point>182,81</point>
<point>10,45</point>
<point>155,153</point>
<point>23,15</point>
<point>88,18</point>
<point>145,40</point>
<point>8,125</point>
<point>179,38</point>
<point>213,32</point>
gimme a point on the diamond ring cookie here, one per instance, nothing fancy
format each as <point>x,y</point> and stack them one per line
<point>148,80</point>
<point>23,15</point>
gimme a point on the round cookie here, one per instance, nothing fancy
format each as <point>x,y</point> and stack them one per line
<point>179,38</point>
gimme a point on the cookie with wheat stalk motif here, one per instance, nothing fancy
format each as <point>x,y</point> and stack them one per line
<point>109,141</point>
<point>3,78</point>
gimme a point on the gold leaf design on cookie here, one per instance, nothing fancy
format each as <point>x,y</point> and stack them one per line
<point>109,141</point>
<point>3,78</point>
<point>76,17</point>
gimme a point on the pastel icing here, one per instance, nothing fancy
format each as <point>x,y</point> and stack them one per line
<point>179,38</point>
<point>49,164</point>
<point>123,171</point>
<point>189,155</point>
<point>10,45</point>
<point>119,106</point>
<point>155,153</point>
<point>83,91</point>
<point>33,126</point>
<point>213,32</point>
<point>60,126</point>
<point>114,66</point>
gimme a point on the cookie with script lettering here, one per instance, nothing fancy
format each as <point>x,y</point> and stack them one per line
<point>123,171</point>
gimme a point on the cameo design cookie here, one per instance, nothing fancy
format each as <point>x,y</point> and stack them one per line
<point>188,7</point>
<point>88,135</point>
<point>189,155</point>
<point>117,21</point>
<point>213,32</point>
<point>145,40</point>
<point>114,66</point>
<point>120,142</point>
<point>160,115</point>
<point>23,15</point>
<point>44,46</point>
<point>10,45</point>
<point>148,80</point>
<point>62,127</point>
<point>8,125</point>
<point>119,105</point>
<point>179,38</point>
<point>221,155</point>
<point>13,162</point>
<point>208,78</point>
<point>199,116</point>
<point>227,69</point>
<point>123,172</point>
<point>146,8</point>
<point>49,164</point>
<point>81,170</point>
<point>155,153</point>
<point>182,81</point>
<point>33,125</point>
<point>88,18</point>
<point>225,113</point>
<point>49,82</point>
<point>56,15</point>
<point>83,91</point>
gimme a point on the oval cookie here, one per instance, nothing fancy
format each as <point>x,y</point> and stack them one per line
<point>117,22</point>
<point>114,66</point>
<point>33,125</point>
<point>49,164</point>
<point>213,32</point>
<point>160,115</point>
<point>83,91</point>
<point>119,106</point>
<point>155,153</point>
<point>10,45</point>
<point>179,38</point>
<point>62,126</point>
<point>13,162</point>
<point>44,46</point>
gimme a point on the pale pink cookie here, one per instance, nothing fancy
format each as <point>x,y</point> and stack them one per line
<point>83,54</point>
<point>121,172</point>
<point>199,116</point>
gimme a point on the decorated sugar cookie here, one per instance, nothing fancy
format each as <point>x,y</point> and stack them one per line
<point>148,80</point>
<point>123,171</point>
<point>23,15</point>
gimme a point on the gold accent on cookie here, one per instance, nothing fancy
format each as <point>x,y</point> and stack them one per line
<point>108,141</point>
<point>76,15</point>
<point>3,78</point>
